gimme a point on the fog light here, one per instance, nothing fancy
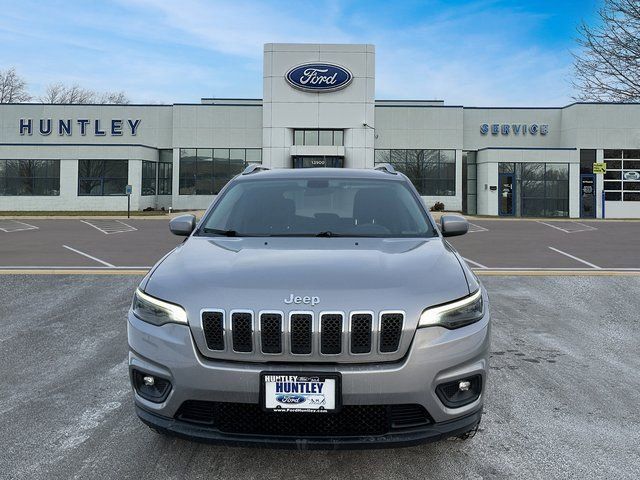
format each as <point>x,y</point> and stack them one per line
<point>152,388</point>
<point>463,386</point>
<point>460,392</point>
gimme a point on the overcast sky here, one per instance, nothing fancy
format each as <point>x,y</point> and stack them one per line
<point>474,53</point>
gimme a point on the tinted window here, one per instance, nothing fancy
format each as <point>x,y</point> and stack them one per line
<point>148,178</point>
<point>204,171</point>
<point>433,172</point>
<point>30,177</point>
<point>297,207</point>
<point>102,177</point>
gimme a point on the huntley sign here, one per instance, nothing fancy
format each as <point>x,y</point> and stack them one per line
<point>319,77</point>
<point>66,127</point>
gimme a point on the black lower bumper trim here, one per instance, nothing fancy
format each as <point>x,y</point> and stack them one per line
<point>405,438</point>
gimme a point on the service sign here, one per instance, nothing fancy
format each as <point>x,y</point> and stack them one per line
<point>319,77</point>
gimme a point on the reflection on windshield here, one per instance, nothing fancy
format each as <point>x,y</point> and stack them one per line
<point>318,207</point>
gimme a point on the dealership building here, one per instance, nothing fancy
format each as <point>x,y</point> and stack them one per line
<point>319,110</point>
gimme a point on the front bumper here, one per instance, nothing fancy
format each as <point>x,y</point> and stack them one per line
<point>415,436</point>
<point>436,356</point>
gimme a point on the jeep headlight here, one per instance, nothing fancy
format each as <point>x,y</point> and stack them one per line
<point>455,314</point>
<point>157,312</point>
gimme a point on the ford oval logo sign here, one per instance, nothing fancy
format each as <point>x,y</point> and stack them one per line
<point>631,175</point>
<point>319,77</point>
<point>290,399</point>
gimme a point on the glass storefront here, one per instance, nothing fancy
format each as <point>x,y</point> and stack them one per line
<point>535,189</point>
<point>29,177</point>
<point>102,177</point>
<point>204,171</point>
<point>433,172</point>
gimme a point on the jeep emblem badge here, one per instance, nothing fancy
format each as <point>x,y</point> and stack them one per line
<point>302,300</point>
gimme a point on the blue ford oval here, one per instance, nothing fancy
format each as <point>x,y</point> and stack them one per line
<point>319,77</point>
<point>290,399</point>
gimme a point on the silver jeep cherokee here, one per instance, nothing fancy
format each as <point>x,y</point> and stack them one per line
<point>311,308</point>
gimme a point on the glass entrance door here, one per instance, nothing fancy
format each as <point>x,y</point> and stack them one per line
<point>587,196</point>
<point>506,193</point>
<point>318,161</point>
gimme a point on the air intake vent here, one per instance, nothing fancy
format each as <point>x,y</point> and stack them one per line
<point>301,328</point>
<point>403,416</point>
<point>213,327</point>
<point>331,334</point>
<point>271,332</point>
<point>361,332</point>
<point>242,332</point>
<point>390,331</point>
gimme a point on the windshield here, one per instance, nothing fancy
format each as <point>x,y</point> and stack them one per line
<point>318,207</point>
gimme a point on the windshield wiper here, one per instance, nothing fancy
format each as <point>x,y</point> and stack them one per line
<point>226,233</point>
<point>329,233</point>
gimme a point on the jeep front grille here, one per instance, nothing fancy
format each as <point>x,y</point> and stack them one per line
<point>331,333</point>
<point>301,326</point>
<point>271,332</point>
<point>302,334</point>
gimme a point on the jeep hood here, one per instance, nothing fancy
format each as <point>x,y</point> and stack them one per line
<point>346,274</point>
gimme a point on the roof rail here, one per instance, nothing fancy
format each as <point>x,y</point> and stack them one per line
<point>254,167</point>
<point>386,167</point>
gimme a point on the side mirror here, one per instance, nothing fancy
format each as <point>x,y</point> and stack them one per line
<point>183,225</point>
<point>453,225</point>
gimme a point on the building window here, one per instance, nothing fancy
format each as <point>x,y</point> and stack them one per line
<point>165,172</point>
<point>29,177</point>
<point>622,180</point>
<point>318,137</point>
<point>148,178</point>
<point>469,183</point>
<point>102,177</point>
<point>433,172</point>
<point>542,189</point>
<point>204,171</point>
<point>587,159</point>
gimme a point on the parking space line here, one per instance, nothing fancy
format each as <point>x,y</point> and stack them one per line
<point>577,259</point>
<point>109,227</point>
<point>479,265</point>
<point>89,256</point>
<point>477,228</point>
<point>587,228</point>
<point>6,226</point>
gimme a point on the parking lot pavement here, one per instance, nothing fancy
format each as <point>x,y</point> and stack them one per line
<point>489,245</point>
<point>562,397</point>
<point>87,243</point>
<point>552,244</point>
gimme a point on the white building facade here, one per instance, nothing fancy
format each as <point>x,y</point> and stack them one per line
<point>319,110</point>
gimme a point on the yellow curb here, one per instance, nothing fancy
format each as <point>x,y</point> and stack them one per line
<point>557,273</point>
<point>53,271</point>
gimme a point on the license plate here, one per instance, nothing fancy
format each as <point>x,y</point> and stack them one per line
<point>308,393</point>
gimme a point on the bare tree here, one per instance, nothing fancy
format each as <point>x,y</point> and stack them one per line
<point>75,94</point>
<point>608,66</point>
<point>114,97</point>
<point>13,89</point>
